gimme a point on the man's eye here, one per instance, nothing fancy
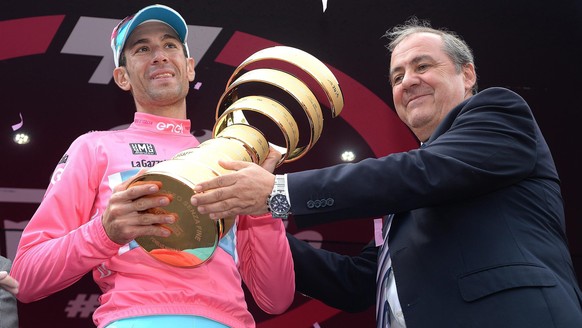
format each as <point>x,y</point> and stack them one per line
<point>422,67</point>
<point>142,49</point>
<point>397,79</point>
<point>171,45</point>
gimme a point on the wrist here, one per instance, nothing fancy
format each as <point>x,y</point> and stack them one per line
<point>278,203</point>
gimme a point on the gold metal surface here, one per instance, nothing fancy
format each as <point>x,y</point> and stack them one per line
<point>233,148</point>
<point>251,137</point>
<point>288,84</point>
<point>269,108</point>
<point>303,61</point>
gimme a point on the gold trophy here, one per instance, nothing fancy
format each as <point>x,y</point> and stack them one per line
<point>260,94</point>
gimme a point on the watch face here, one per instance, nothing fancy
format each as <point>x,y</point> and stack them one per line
<point>279,204</point>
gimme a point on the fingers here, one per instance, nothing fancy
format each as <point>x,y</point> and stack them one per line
<point>8,283</point>
<point>136,199</point>
<point>272,160</point>
<point>150,201</point>
<point>138,211</point>
<point>229,208</point>
<point>142,188</point>
<point>124,185</point>
<point>123,229</point>
<point>125,194</point>
<point>153,225</point>
<point>242,192</point>
<point>218,182</point>
<point>226,180</point>
<point>156,217</point>
<point>234,165</point>
<point>223,180</point>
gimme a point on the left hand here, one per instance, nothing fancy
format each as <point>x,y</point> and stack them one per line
<point>8,283</point>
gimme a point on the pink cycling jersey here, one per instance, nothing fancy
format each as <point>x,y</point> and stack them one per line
<point>65,239</point>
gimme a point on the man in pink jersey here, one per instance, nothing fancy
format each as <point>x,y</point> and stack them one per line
<point>89,217</point>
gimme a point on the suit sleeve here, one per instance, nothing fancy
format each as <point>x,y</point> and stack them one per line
<point>484,144</point>
<point>344,282</point>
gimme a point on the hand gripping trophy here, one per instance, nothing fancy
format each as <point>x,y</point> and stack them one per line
<point>257,101</point>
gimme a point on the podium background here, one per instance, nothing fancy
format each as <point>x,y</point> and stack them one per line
<point>56,64</point>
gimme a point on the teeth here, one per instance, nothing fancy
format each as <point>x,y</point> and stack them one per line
<point>163,76</point>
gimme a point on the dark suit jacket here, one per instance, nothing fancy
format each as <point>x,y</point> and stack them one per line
<point>478,237</point>
<point>317,275</point>
<point>8,304</point>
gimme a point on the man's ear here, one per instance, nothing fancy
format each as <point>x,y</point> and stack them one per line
<point>121,78</point>
<point>470,76</point>
<point>190,69</point>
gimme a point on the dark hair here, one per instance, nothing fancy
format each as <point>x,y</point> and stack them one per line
<point>453,45</point>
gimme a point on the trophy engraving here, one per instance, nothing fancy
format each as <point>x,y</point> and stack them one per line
<point>255,96</point>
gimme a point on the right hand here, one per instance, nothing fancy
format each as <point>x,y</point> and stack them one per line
<point>125,217</point>
<point>244,191</point>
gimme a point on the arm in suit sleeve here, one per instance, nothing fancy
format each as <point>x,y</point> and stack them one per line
<point>344,282</point>
<point>486,143</point>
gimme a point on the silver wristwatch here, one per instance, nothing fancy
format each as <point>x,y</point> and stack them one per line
<point>278,201</point>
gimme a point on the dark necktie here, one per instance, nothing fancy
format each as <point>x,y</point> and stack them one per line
<point>384,269</point>
<point>382,278</point>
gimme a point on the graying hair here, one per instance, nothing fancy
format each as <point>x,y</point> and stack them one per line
<point>453,45</point>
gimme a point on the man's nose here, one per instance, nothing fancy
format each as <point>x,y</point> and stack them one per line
<point>160,55</point>
<point>410,79</point>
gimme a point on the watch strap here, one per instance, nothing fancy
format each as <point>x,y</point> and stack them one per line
<point>280,187</point>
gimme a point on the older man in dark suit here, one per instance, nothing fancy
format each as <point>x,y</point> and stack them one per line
<point>477,236</point>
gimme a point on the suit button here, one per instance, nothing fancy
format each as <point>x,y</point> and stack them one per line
<point>310,204</point>
<point>317,203</point>
<point>329,202</point>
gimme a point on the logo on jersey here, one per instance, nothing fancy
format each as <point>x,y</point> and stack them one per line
<point>142,149</point>
<point>176,128</point>
<point>144,163</point>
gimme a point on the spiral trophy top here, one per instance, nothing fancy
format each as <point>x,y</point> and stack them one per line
<point>285,82</point>
<point>304,61</point>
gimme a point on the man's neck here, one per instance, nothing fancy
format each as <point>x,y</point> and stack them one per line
<point>178,111</point>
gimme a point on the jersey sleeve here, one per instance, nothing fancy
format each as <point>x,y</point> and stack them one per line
<point>65,231</point>
<point>266,264</point>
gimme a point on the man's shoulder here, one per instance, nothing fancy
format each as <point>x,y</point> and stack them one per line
<point>497,92</point>
<point>494,97</point>
<point>93,135</point>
